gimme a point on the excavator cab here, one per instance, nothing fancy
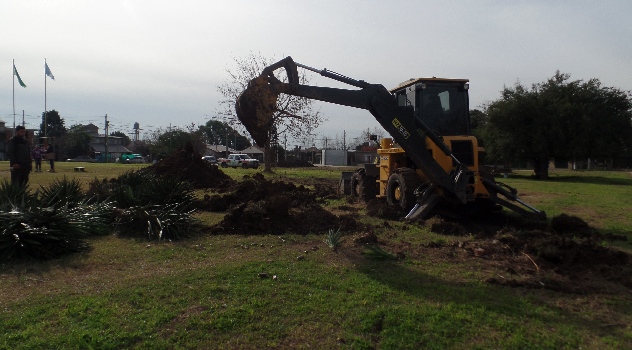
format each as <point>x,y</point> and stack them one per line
<point>442,104</point>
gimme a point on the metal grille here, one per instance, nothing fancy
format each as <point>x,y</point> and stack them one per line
<point>463,151</point>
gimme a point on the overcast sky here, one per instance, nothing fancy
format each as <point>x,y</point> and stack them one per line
<point>160,62</point>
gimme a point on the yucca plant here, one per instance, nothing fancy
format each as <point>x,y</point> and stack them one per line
<point>14,194</point>
<point>334,238</point>
<point>48,232</point>
<point>62,191</point>
<point>159,206</point>
<point>159,222</point>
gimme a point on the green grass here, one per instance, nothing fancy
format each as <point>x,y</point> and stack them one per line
<point>206,292</point>
<point>604,199</point>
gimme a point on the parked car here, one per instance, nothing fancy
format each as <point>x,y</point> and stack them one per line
<point>128,158</point>
<point>82,159</point>
<point>135,158</point>
<point>210,159</point>
<point>239,161</point>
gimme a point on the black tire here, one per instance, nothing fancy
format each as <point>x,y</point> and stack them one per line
<point>244,165</point>
<point>400,188</point>
<point>224,165</point>
<point>363,186</point>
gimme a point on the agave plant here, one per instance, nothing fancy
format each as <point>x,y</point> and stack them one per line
<point>63,191</point>
<point>48,232</point>
<point>160,206</point>
<point>14,194</point>
<point>159,222</point>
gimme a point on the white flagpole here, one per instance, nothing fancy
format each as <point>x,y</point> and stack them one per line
<point>13,73</point>
<point>45,114</point>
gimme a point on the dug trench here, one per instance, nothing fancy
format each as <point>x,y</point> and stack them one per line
<point>564,255</point>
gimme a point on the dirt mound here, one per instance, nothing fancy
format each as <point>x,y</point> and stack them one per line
<point>188,165</point>
<point>565,256</point>
<point>381,209</point>
<point>257,205</point>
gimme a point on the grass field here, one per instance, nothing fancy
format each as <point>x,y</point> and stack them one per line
<point>287,291</point>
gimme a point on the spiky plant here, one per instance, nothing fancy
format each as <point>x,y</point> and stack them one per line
<point>48,232</point>
<point>13,194</point>
<point>159,222</point>
<point>62,191</point>
<point>159,206</point>
<point>334,238</point>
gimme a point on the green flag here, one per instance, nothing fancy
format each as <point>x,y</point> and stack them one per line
<point>15,72</point>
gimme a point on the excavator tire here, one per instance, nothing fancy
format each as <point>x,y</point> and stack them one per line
<point>363,186</point>
<point>400,188</point>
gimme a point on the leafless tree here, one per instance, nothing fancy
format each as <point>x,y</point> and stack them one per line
<point>295,116</point>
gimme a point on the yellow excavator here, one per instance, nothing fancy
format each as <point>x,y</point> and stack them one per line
<point>431,157</point>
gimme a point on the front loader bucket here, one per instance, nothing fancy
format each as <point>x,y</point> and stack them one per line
<point>256,105</point>
<point>255,109</point>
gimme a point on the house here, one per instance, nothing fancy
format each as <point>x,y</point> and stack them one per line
<point>254,152</point>
<point>115,144</point>
<point>219,151</point>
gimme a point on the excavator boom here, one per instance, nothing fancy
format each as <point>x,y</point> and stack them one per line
<point>256,105</point>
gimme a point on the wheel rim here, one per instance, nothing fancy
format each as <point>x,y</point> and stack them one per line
<point>397,193</point>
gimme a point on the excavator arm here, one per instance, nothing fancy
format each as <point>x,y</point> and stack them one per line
<point>255,107</point>
<point>399,121</point>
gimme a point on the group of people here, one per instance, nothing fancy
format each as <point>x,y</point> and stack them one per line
<point>21,157</point>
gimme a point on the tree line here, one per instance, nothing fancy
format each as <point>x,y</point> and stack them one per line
<point>558,119</point>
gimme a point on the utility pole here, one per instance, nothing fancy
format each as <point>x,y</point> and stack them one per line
<point>107,123</point>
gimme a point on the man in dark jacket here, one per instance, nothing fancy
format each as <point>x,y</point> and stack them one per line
<point>19,157</point>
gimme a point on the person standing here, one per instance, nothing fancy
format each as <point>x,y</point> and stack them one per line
<point>50,155</point>
<point>36,154</point>
<point>20,157</point>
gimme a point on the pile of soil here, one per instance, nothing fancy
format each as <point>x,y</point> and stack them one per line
<point>257,205</point>
<point>186,164</point>
<point>565,256</point>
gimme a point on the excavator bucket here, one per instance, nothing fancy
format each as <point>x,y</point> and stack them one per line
<point>256,105</point>
<point>255,109</point>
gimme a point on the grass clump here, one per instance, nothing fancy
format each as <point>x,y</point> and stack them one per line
<point>334,239</point>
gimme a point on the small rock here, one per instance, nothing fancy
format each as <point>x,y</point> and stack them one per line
<point>274,277</point>
<point>479,252</point>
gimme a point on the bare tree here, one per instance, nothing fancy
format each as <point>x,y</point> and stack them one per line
<point>294,117</point>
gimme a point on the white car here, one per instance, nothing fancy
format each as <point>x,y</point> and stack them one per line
<point>210,159</point>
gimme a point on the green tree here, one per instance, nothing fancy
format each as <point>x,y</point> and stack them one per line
<point>52,125</point>
<point>162,142</point>
<point>220,133</point>
<point>558,118</point>
<point>126,139</point>
<point>294,117</point>
<point>77,141</point>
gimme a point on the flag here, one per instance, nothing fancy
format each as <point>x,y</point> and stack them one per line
<point>15,72</point>
<point>47,71</point>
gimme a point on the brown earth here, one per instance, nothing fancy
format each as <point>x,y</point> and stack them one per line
<point>564,254</point>
<point>188,165</point>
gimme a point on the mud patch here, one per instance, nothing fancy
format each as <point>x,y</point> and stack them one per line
<point>257,206</point>
<point>188,165</point>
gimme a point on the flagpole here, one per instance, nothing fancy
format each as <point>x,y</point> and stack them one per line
<point>45,114</point>
<point>13,73</point>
